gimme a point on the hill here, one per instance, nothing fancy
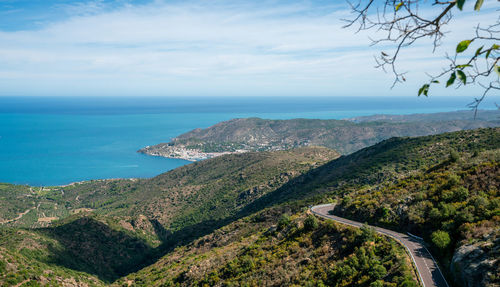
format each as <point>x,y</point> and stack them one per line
<point>109,228</point>
<point>241,218</point>
<point>269,249</point>
<point>366,186</point>
<point>344,136</point>
<point>438,187</point>
<point>467,115</point>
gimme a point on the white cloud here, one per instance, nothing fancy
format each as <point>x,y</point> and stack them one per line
<point>196,48</point>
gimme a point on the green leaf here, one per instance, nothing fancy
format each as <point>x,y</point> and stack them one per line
<point>462,46</point>
<point>478,51</point>
<point>462,76</point>
<point>426,91</point>
<point>451,80</point>
<point>478,5</point>
<point>460,4</point>
<point>423,90</point>
<point>399,6</point>
<point>463,66</point>
<point>435,82</point>
<point>497,69</point>
<point>420,91</point>
<point>487,54</point>
<point>493,47</point>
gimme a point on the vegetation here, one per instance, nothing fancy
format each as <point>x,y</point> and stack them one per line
<point>440,238</point>
<point>115,227</point>
<point>344,136</point>
<point>241,218</point>
<point>405,23</point>
<point>26,260</point>
<point>416,185</point>
<point>448,203</point>
<point>440,200</point>
<point>301,254</point>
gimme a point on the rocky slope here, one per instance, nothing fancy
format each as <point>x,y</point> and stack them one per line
<point>476,263</point>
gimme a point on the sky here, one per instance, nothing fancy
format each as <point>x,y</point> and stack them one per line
<point>205,48</point>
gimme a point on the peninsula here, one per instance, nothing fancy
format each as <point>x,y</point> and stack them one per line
<point>345,136</point>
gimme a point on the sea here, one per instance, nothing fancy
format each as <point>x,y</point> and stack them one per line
<point>47,141</point>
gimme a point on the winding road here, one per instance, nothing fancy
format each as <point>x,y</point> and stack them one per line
<point>427,268</point>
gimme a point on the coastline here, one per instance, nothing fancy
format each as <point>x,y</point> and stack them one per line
<point>181,152</point>
<point>133,179</point>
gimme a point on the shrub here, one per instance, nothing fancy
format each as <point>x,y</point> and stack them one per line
<point>367,233</point>
<point>284,221</point>
<point>453,180</point>
<point>310,223</point>
<point>408,283</point>
<point>441,239</point>
<point>378,271</point>
<point>461,194</point>
<point>2,266</point>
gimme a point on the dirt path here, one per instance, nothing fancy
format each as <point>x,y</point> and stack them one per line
<point>19,216</point>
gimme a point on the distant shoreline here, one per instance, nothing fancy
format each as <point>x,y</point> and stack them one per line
<point>98,180</point>
<point>345,136</point>
<point>181,152</point>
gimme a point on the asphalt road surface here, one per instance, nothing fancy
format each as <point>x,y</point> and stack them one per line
<point>427,268</point>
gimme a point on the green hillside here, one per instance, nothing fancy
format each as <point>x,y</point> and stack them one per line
<point>269,249</point>
<point>27,259</point>
<point>241,219</point>
<point>344,136</point>
<point>367,173</point>
<point>387,161</point>
<point>443,188</point>
<point>113,227</point>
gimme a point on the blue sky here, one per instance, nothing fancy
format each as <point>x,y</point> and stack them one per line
<point>197,48</point>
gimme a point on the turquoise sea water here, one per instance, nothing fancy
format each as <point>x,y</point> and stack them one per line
<point>55,141</point>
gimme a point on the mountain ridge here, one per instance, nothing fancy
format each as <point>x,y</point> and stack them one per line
<point>344,136</point>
